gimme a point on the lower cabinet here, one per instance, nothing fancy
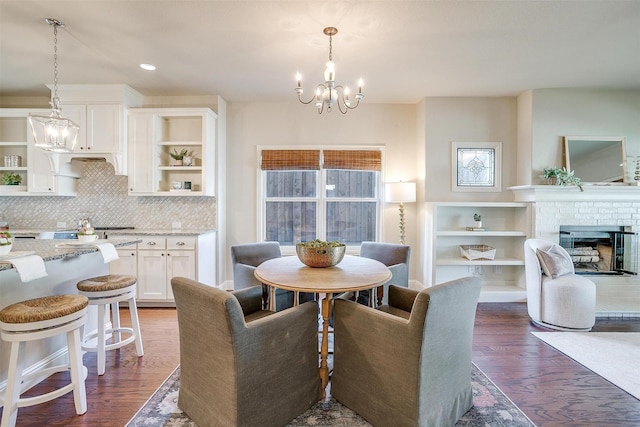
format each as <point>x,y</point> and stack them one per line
<point>156,259</point>
<point>127,263</point>
<point>160,259</point>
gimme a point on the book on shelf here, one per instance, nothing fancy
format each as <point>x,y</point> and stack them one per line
<point>477,229</point>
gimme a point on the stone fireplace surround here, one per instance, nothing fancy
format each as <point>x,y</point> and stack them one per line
<point>619,205</point>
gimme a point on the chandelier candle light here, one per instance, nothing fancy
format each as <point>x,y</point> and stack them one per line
<point>54,132</point>
<point>328,93</point>
<point>400,192</point>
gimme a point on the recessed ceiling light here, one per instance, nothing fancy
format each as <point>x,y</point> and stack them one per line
<point>148,67</point>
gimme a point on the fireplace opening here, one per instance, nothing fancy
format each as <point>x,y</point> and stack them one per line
<point>601,249</point>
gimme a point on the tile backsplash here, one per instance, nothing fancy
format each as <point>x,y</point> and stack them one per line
<point>103,196</point>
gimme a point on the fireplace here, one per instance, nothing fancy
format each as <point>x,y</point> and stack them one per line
<point>601,249</point>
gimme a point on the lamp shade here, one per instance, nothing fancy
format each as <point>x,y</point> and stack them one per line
<point>400,192</point>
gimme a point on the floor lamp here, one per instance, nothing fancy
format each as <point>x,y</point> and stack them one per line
<point>400,192</point>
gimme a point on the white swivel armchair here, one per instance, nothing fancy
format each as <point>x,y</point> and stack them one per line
<point>557,298</point>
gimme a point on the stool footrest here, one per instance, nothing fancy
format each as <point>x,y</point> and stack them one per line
<point>112,346</point>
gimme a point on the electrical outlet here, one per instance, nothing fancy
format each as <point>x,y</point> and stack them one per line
<point>61,224</point>
<point>176,224</point>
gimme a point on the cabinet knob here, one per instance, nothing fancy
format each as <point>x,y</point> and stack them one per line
<point>180,244</point>
<point>151,243</point>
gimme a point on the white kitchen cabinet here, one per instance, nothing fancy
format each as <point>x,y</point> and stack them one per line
<point>102,127</point>
<point>154,133</point>
<point>127,263</point>
<point>140,153</point>
<point>160,259</point>
<point>506,226</point>
<point>36,167</point>
<point>101,112</point>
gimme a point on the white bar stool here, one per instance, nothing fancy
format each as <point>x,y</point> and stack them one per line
<point>105,291</point>
<point>37,319</point>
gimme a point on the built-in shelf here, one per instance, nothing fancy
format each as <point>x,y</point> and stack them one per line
<point>508,225</point>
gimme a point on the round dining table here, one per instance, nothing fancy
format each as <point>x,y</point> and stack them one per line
<point>352,274</point>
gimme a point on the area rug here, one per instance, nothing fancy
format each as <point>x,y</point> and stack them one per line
<point>614,356</point>
<point>491,408</point>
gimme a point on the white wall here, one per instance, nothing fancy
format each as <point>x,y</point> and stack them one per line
<point>587,112</point>
<point>462,119</point>
<point>252,124</point>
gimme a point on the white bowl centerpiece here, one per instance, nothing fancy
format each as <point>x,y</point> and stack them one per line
<point>6,242</point>
<point>318,253</point>
<point>87,235</point>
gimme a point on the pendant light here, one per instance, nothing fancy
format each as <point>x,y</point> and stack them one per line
<point>54,132</point>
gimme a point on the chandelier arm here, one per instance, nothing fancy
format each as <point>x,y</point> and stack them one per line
<point>313,98</point>
<point>341,104</point>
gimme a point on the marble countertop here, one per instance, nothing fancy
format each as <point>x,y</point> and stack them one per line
<point>48,251</point>
<point>131,232</point>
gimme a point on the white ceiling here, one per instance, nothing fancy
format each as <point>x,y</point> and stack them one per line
<point>251,50</point>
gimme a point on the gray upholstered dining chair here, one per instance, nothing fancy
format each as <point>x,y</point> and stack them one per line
<point>394,256</point>
<point>246,257</point>
<point>241,365</point>
<point>407,363</point>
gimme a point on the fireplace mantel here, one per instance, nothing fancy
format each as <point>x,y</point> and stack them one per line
<point>557,193</point>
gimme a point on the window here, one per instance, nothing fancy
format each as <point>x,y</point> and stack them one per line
<point>320,194</point>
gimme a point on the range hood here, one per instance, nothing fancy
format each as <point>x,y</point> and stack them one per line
<point>61,162</point>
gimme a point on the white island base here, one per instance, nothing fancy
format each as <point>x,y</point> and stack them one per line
<point>63,275</point>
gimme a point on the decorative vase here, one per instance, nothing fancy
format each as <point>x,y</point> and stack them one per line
<point>179,162</point>
<point>5,249</point>
<point>187,161</point>
<point>478,224</point>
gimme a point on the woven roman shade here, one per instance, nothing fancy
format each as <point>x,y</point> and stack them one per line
<point>364,160</point>
<point>290,160</point>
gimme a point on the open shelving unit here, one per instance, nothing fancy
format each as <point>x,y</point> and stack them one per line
<point>13,142</point>
<point>157,132</point>
<point>507,225</point>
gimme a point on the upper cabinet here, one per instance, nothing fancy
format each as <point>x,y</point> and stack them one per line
<point>156,136</point>
<point>19,156</point>
<point>101,113</point>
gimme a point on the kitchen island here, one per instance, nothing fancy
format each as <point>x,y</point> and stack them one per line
<point>65,268</point>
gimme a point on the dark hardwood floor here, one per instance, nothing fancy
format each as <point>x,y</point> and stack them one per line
<point>549,387</point>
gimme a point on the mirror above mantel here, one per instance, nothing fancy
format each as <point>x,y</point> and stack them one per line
<point>596,159</point>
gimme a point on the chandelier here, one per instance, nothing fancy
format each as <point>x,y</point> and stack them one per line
<point>54,132</point>
<point>328,93</point>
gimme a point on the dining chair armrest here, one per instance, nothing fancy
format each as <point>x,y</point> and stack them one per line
<point>243,276</point>
<point>401,297</point>
<point>400,275</point>
<point>250,299</point>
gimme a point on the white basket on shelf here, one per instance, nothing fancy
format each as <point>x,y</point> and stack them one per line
<point>475,252</point>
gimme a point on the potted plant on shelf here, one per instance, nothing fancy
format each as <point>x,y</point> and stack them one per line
<point>11,182</point>
<point>478,220</point>
<point>557,176</point>
<point>179,156</point>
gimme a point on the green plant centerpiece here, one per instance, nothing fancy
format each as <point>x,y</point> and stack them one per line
<point>11,179</point>
<point>317,253</point>
<point>178,156</point>
<point>557,176</point>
